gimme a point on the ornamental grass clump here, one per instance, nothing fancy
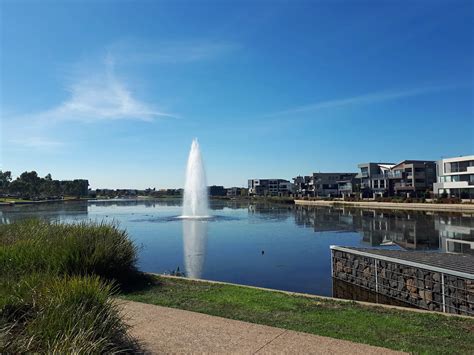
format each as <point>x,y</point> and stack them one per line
<point>67,249</point>
<point>56,286</point>
<point>61,314</point>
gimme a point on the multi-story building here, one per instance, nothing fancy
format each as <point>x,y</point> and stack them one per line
<point>270,187</point>
<point>325,184</point>
<point>301,185</point>
<point>412,177</point>
<point>217,190</point>
<point>234,191</point>
<point>409,177</point>
<point>455,177</point>
<point>374,179</point>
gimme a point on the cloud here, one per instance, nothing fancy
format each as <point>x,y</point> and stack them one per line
<point>36,142</point>
<point>99,98</point>
<point>134,50</point>
<point>366,99</point>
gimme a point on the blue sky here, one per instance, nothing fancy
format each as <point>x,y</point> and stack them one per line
<point>115,91</point>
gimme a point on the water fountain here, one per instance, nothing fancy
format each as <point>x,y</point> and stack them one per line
<point>195,209</point>
<point>195,201</point>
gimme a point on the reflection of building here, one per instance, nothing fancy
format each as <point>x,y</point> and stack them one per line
<point>456,233</point>
<point>194,245</point>
<point>270,187</point>
<point>409,230</point>
<point>455,177</point>
<point>271,211</point>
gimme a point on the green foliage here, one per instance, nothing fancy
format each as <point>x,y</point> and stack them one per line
<point>72,249</point>
<point>42,313</point>
<point>56,282</point>
<point>30,186</point>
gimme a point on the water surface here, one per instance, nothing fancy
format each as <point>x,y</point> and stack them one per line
<point>268,245</point>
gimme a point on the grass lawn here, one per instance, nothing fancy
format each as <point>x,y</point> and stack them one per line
<point>12,199</point>
<point>395,329</point>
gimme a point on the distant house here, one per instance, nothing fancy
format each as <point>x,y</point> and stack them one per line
<point>234,191</point>
<point>217,191</point>
<point>455,177</point>
<point>325,184</point>
<point>269,187</point>
<point>301,185</point>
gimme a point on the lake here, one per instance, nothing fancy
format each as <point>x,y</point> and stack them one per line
<point>268,245</point>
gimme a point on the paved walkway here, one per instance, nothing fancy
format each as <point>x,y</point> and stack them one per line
<point>167,330</point>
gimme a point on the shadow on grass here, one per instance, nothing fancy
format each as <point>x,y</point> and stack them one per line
<point>139,282</point>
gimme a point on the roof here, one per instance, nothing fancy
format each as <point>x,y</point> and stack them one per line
<point>415,161</point>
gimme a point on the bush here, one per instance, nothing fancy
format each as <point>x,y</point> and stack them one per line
<point>72,249</point>
<point>448,200</point>
<point>62,315</point>
<point>56,283</point>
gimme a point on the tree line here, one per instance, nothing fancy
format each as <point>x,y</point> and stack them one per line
<point>33,187</point>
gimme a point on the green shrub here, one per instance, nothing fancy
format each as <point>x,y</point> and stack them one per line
<point>56,286</point>
<point>61,314</point>
<point>67,249</point>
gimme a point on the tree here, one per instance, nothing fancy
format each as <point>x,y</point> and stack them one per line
<point>5,179</point>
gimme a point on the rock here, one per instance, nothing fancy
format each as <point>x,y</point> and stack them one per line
<point>410,285</point>
<point>367,272</point>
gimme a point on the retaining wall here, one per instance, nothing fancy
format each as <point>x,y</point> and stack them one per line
<point>417,286</point>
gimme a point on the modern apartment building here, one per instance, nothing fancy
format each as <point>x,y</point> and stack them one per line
<point>217,190</point>
<point>407,178</point>
<point>301,185</point>
<point>412,177</point>
<point>374,179</point>
<point>455,177</point>
<point>270,187</point>
<point>324,184</point>
<point>234,191</point>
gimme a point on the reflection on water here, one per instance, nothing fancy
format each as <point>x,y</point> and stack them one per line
<point>410,230</point>
<point>194,247</point>
<point>269,245</point>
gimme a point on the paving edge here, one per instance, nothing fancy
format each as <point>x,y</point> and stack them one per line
<point>308,295</point>
<point>424,207</point>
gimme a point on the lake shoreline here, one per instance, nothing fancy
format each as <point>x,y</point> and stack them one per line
<point>432,207</point>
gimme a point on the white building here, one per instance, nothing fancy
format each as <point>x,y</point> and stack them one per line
<point>455,177</point>
<point>270,187</point>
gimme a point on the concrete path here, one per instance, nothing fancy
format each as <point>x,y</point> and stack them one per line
<point>167,330</point>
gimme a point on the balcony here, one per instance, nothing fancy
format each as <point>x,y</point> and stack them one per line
<point>395,174</point>
<point>403,186</point>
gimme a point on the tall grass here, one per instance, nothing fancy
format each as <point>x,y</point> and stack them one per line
<point>67,249</point>
<point>56,283</point>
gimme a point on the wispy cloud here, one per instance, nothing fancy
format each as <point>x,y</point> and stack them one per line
<point>36,142</point>
<point>100,97</point>
<point>138,50</point>
<point>366,99</point>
